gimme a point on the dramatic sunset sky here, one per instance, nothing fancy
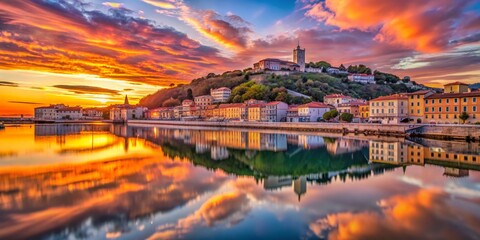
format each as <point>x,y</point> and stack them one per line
<point>93,52</point>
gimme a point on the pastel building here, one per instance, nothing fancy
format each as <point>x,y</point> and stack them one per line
<point>336,99</point>
<point>276,65</point>
<point>362,78</point>
<point>299,57</point>
<point>312,111</point>
<point>203,101</point>
<point>391,109</point>
<point>220,94</point>
<point>416,105</point>
<point>255,112</point>
<point>275,112</point>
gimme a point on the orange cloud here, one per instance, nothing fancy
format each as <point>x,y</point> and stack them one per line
<point>69,38</point>
<point>428,213</point>
<point>425,26</point>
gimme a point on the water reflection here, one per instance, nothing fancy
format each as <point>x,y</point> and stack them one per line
<point>113,181</point>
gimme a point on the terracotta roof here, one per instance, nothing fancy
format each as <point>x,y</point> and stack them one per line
<point>336,96</point>
<point>274,103</point>
<point>257,105</point>
<point>231,105</point>
<point>453,95</point>
<point>455,83</point>
<point>355,103</point>
<point>421,92</point>
<point>390,97</point>
<point>278,60</point>
<point>314,105</point>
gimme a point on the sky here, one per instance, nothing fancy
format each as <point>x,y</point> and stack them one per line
<point>93,53</point>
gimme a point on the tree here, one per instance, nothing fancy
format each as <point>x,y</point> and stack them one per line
<point>189,94</point>
<point>330,115</point>
<point>171,103</point>
<point>210,75</point>
<point>346,117</point>
<point>342,68</point>
<point>464,116</point>
<point>172,85</point>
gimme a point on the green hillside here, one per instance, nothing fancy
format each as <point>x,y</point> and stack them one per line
<point>273,87</point>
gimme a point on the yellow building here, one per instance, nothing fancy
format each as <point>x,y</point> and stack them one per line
<point>233,111</point>
<point>456,87</point>
<point>416,105</point>
<point>255,112</point>
<point>364,110</point>
<point>388,152</point>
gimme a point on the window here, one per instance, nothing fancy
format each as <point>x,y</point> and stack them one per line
<point>439,100</point>
<point>464,99</point>
<point>426,101</point>
<point>448,100</point>
<point>431,154</point>
<point>439,116</point>
<point>455,156</point>
<point>426,109</point>
<point>418,104</point>
<point>433,109</point>
<point>411,104</point>
<point>474,108</point>
<point>433,101</point>
<point>465,108</point>
<point>439,109</point>
<point>455,109</point>
<point>465,158</point>
<point>456,100</point>
<point>447,109</point>
<point>446,155</point>
<point>474,99</point>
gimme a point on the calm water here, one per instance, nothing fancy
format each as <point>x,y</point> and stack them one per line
<point>106,181</point>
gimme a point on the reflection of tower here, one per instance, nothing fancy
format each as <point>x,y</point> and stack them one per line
<point>300,186</point>
<point>299,57</point>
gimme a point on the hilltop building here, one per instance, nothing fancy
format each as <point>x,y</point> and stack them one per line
<point>299,57</point>
<point>276,65</point>
<point>220,94</point>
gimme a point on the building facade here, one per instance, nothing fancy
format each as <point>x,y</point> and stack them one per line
<point>361,78</point>
<point>391,109</point>
<point>276,111</point>
<point>220,94</point>
<point>275,65</point>
<point>203,101</point>
<point>312,112</point>
<point>416,105</point>
<point>336,99</point>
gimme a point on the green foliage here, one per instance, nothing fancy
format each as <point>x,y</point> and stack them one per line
<point>464,116</point>
<point>386,77</point>
<point>359,69</point>
<point>346,117</point>
<point>319,64</point>
<point>330,115</point>
<point>189,94</point>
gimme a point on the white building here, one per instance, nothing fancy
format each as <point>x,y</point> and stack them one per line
<point>362,78</point>
<point>92,113</point>
<point>70,113</point>
<point>275,111</point>
<point>46,113</point>
<point>391,109</point>
<point>220,94</point>
<point>313,70</point>
<point>337,99</point>
<point>333,70</point>
<point>312,111</point>
<point>124,112</point>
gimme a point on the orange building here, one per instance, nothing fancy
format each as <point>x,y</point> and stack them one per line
<point>389,109</point>
<point>416,105</point>
<point>447,107</point>
<point>364,110</point>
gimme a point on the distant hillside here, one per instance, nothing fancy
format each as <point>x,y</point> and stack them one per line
<point>273,87</point>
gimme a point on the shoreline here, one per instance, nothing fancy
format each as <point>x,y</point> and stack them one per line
<point>440,132</point>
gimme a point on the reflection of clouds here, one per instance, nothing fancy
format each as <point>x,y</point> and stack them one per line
<point>115,192</point>
<point>226,208</point>
<point>428,213</point>
<point>463,187</point>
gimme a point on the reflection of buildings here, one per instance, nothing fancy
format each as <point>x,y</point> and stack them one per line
<point>219,153</point>
<point>456,164</point>
<point>300,186</point>
<point>277,182</point>
<point>342,146</point>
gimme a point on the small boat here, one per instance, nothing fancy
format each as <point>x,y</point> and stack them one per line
<point>2,126</point>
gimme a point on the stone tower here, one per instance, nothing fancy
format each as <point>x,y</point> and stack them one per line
<point>126,100</point>
<point>299,57</point>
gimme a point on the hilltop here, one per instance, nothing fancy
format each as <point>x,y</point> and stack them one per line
<point>271,87</point>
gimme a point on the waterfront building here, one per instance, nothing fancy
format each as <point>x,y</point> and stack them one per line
<point>163,113</point>
<point>447,107</point>
<point>276,112</point>
<point>92,113</point>
<point>220,94</point>
<point>391,109</point>
<point>351,107</point>
<point>233,111</point>
<point>299,57</point>
<point>255,112</point>
<point>45,113</point>
<point>364,110</point>
<point>416,105</point>
<point>362,78</point>
<point>336,99</point>
<point>312,112</point>
<point>203,101</point>
<point>292,114</point>
<point>188,108</point>
<point>125,111</point>
<point>254,101</point>
<point>69,113</point>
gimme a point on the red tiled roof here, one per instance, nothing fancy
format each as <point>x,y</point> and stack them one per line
<point>390,97</point>
<point>455,83</point>
<point>453,95</point>
<point>231,105</point>
<point>70,109</point>
<point>421,92</point>
<point>314,105</point>
<point>274,103</point>
<point>257,105</point>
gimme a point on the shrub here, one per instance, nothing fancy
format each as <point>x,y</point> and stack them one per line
<point>346,117</point>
